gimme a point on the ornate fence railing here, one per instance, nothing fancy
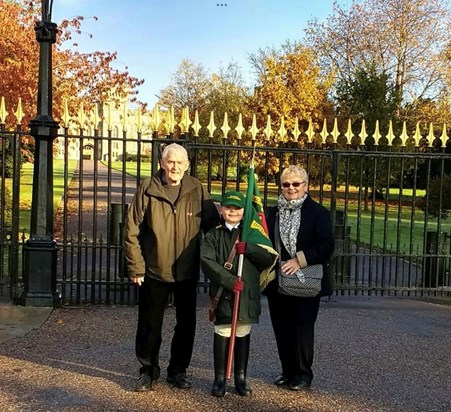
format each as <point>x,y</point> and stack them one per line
<point>389,204</point>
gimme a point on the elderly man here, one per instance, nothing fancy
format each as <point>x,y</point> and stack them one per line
<point>162,237</point>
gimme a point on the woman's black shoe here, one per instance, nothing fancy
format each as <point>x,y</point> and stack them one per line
<point>297,385</point>
<point>281,380</point>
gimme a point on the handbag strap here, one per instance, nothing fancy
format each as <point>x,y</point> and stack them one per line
<point>277,237</point>
<point>228,265</point>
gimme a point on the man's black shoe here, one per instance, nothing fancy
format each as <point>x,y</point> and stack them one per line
<point>297,385</point>
<point>144,383</point>
<point>282,380</point>
<point>179,380</point>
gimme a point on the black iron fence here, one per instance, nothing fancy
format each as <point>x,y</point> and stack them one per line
<point>389,207</point>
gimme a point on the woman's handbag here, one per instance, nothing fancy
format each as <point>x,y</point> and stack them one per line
<point>305,282</point>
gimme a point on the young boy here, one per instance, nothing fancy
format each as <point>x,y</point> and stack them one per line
<point>215,252</point>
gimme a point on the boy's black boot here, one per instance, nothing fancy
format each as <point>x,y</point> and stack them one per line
<point>220,352</point>
<point>241,358</point>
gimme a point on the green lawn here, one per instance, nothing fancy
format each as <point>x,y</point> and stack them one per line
<point>397,233</point>
<point>26,188</point>
<point>382,232</point>
<point>131,168</point>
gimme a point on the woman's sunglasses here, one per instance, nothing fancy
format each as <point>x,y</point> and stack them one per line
<point>294,184</point>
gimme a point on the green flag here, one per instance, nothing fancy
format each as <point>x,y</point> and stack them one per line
<point>254,226</point>
<point>254,230</point>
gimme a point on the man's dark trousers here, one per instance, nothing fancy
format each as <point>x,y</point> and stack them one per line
<point>153,300</point>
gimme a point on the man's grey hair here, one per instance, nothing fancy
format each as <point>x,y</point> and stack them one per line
<point>174,147</point>
<point>294,170</point>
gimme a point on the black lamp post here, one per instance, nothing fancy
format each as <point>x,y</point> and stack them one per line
<point>40,251</point>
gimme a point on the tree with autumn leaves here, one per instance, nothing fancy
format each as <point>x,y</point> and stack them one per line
<point>87,77</point>
<point>374,60</point>
<point>290,85</point>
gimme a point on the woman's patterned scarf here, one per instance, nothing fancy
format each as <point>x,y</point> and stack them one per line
<point>289,221</point>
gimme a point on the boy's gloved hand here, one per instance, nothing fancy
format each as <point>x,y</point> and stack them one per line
<point>240,248</point>
<point>238,286</point>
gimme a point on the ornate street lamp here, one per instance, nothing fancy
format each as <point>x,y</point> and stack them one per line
<point>40,251</point>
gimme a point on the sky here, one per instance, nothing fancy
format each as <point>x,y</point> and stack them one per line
<point>152,37</point>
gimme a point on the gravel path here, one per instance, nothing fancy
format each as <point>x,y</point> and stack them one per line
<point>372,354</point>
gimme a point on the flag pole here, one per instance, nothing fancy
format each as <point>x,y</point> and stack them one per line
<point>236,302</point>
<point>236,307</point>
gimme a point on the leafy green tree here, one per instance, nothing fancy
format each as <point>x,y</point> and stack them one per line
<point>223,92</point>
<point>438,200</point>
<point>368,95</point>
<point>190,87</point>
<point>229,94</point>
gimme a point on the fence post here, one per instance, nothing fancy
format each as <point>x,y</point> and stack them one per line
<point>342,236</point>
<point>434,266</point>
<point>117,219</point>
<point>155,162</point>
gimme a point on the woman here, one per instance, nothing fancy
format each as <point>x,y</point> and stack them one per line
<point>306,238</point>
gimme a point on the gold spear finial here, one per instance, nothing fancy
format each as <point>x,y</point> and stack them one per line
<point>390,134</point>
<point>211,126</point>
<point>268,130</point>
<point>3,112</point>
<point>335,132</point>
<point>196,125</point>
<point>349,133</point>
<point>225,126</point>
<point>81,116</point>
<point>363,134</point>
<point>124,117</point>
<point>324,133</point>
<point>171,120</point>
<point>185,121</point>
<point>239,127</point>
<point>376,135</point>
<point>404,136</point>
<point>296,131</point>
<point>19,112</point>
<point>150,124</point>
<point>417,136</point>
<point>309,132</point>
<point>95,117</point>
<point>282,131</point>
<point>254,129</point>
<point>444,136</point>
<point>431,136</point>
<point>139,120</point>
<point>156,117</point>
<point>108,117</point>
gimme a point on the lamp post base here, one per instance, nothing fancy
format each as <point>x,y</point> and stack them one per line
<point>40,274</point>
<point>37,299</point>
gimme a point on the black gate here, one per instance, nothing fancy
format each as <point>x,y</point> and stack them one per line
<point>388,208</point>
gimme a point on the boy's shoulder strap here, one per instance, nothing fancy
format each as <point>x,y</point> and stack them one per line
<point>228,265</point>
